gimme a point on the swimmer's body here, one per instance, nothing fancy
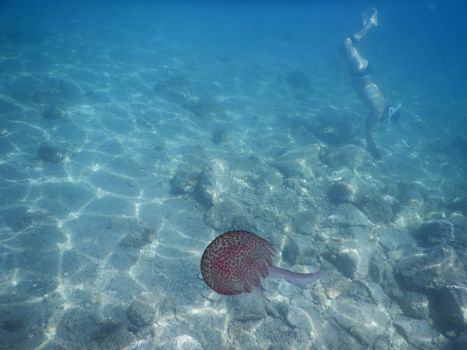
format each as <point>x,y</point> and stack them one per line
<point>364,86</point>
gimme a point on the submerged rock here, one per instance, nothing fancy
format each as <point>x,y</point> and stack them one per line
<point>459,204</point>
<point>268,182</point>
<point>419,334</point>
<point>296,164</point>
<point>352,259</point>
<point>248,308</point>
<point>52,113</point>
<point>50,153</point>
<point>141,314</point>
<point>430,269</point>
<point>212,182</point>
<point>340,192</point>
<point>176,89</point>
<point>460,233</point>
<point>348,215</point>
<point>415,305</point>
<point>348,156</point>
<point>185,181</point>
<point>382,272</point>
<point>332,130</point>
<point>375,205</point>
<point>461,340</point>
<point>298,80</point>
<point>226,215</point>
<point>220,136</point>
<point>435,232</point>
<point>138,237</point>
<point>452,305</point>
<point>305,222</point>
<point>410,194</point>
<point>204,107</point>
<point>364,321</point>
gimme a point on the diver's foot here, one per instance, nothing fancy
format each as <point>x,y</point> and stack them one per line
<point>373,20</point>
<point>394,113</point>
<point>391,114</point>
<point>364,15</point>
<point>370,19</point>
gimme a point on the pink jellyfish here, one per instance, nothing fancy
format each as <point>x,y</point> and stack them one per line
<point>234,262</point>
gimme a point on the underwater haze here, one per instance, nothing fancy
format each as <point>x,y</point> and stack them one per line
<point>133,133</point>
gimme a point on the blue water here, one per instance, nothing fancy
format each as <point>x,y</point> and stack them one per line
<point>132,133</point>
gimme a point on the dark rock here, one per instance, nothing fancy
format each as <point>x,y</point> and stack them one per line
<point>452,305</point>
<point>382,272</point>
<point>141,314</point>
<point>308,158</point>
<point>220,136</point>
<point>395,241</point>
<point>430,269</point>
<point>352,259</point>
<point>123,286</point>
<point>284,201</point>
<point>460,232</point>
<point>415,305</point>
<point>364,321</point>
<point>122,258</point>
<point>419,334</point>
<point>340,192</point>
<point>226,215</point>
<point>211,183</point>
<point>264,219</point>
<point>22,325</point>
<point>248,308</point>
<point>50,153</point>
<point>410,194</point>
<point>52,113</point>
<point>176,89</point>
<point>298,80</point>
<point>459,204</point>
<point>305,222</point>
<point>347,215</point>
<point>348,156</point>
<point>56,92</point>
<point>138,237</point>
<point>203,107</point>
<point>333,131</point>
<point>78,326</point>
<point>375,205</point>
<point>431,233</point>
<point>19,218</point>
<point>185,181</point>
<point>290,251</point>
<point>268,182</point>
<point>289,168</point>
<point>224,57</point>
<point>461,341</point>
<point>112,335</point>
<point>295,164</point>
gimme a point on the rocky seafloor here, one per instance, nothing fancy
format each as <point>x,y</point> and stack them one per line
<point>118,167</point>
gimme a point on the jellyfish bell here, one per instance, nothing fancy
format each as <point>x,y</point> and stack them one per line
<point>235,262</point>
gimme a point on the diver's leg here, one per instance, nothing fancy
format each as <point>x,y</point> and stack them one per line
<point>368,23</point>
<point>370,124</point>
<point>348,50</point>
<point>371,96</point>
<point>353,58</point>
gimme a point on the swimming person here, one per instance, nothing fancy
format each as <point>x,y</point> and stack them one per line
<point>364,86</point>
